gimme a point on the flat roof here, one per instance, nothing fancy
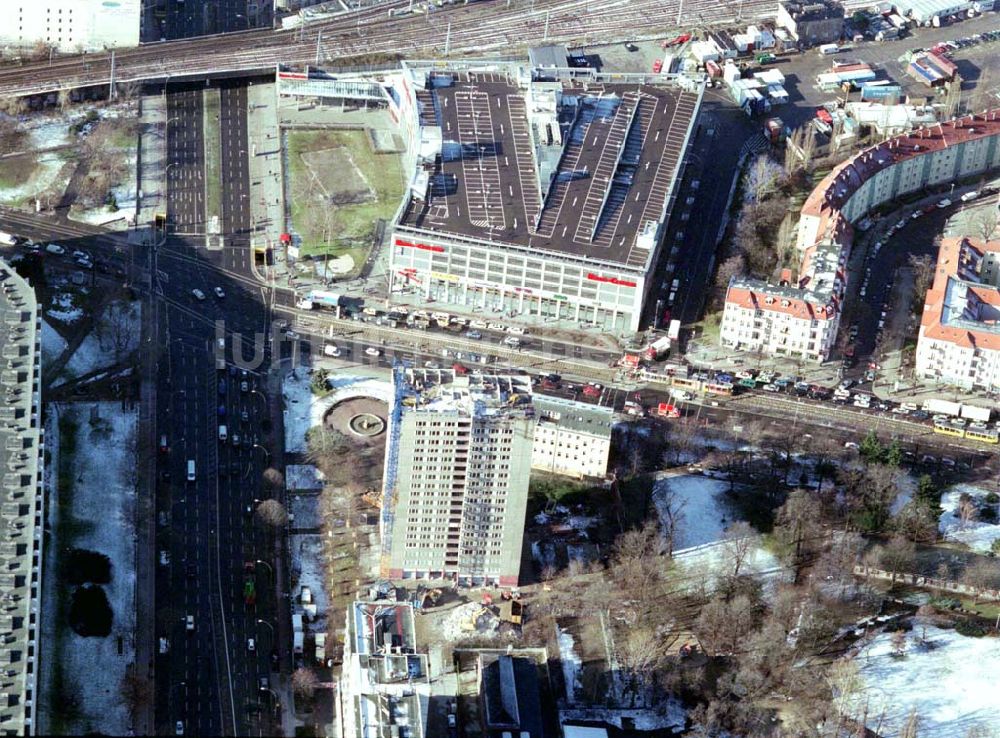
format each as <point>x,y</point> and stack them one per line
<point>621,153</point>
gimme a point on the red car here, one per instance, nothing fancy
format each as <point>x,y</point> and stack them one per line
<point>676,40</point>
<point>657,66</point>
<point>592,390</point>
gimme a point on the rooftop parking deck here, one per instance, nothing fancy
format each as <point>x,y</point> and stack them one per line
<point>622,147</point>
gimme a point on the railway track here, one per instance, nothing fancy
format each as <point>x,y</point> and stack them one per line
<point>486,26</point>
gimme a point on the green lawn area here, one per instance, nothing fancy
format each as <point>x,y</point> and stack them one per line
<point>16,170</point>
<point>339,189</point>
<point>213,150</point>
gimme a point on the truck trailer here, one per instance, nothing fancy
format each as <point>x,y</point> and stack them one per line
<point>974,412</point>
<point>319,299</point>
<point>658,348</point>
<point>943,407</point>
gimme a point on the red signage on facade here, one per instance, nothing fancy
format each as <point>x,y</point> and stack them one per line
<point>610,280</point>
<point>421,246</point>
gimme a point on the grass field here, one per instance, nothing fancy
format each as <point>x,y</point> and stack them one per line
<point>16,170</point>
<point>213,150</point>
<point>339,188</point>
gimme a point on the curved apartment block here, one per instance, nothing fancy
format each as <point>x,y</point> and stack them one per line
<point>799,317</point>
<point>21,503</point>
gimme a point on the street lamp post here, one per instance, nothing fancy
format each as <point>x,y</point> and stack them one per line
<point>270,569</point>
<point>267,454</point>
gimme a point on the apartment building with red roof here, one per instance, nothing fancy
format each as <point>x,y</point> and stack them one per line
<point>800,317</point>
<point>959,339</point>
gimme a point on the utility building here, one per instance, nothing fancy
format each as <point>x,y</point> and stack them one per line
<point>811,23</point>
<point>457,463</point>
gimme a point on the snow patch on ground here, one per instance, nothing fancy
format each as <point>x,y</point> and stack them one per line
<point>304,410</point>
<point>63,309</point>
<point>570,663</point>
<point>668,716</point>
<point>307,562</point>
<point>906,484</point>
<point>704,518</point>
<point>975,534</point>
<point>703,512</point>
<point>49,134</point>
<point>299,477</point>
<point>103,471</point>
<point>951,682</point>
<point>53,344</point>
<point>48,166</point>
<point>98,351</point>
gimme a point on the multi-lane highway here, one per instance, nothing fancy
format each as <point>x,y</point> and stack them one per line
<point>211,677</point>
<point>479,27</point>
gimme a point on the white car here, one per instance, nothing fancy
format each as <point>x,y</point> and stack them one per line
<point>179,728</point>
<point>189,622</point>
<point>251,646</point>
<point>968,196</point>
<point>198,294</point>
<point>944,203</point>
<point>54,248</point>
<point>219,293</point>
<point>78,254</point>
<point>372,351</point>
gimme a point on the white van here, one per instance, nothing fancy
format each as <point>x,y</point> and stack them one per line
<point>191,474</point>
<point>223,433</point>
<point>829,49</point>
<point>512,341</point>
<point>332,350</point>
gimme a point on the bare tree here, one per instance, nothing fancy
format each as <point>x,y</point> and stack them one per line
<point>898,643</point>
<point>117,328</point>
<point>982,574</point>
<point>846,684</point>
<point>639,653</point>
<point>738,541</point>
<point>762,178</point>
<point>304,682</point>
<point>967,510</point>
<point>635,558</point>
<point>733,266</point>
<point>797,525</point>
<point>985,223</point>
<point>911,728</point>
<point>896,557</point>
<point>272,513</point>
<point>671,509</point>
<point>923,273</point>
<point>722,625</point>
<point>272,481</point>
<point>136,690</point>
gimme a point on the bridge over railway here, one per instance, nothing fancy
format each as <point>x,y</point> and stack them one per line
<point>490,25</point>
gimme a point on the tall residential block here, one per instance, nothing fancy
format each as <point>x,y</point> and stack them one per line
<point>21,505</point>
<point>457,463</point>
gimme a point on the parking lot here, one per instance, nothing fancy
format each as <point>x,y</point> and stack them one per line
<point>800,70</point>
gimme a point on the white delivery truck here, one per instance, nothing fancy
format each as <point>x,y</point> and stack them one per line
<point>829,49</point>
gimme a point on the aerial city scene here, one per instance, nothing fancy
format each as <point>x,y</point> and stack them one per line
<point>500,368</point>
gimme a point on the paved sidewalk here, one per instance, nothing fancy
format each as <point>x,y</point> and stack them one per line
<point>152,194</point>
<point>267,197</point>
